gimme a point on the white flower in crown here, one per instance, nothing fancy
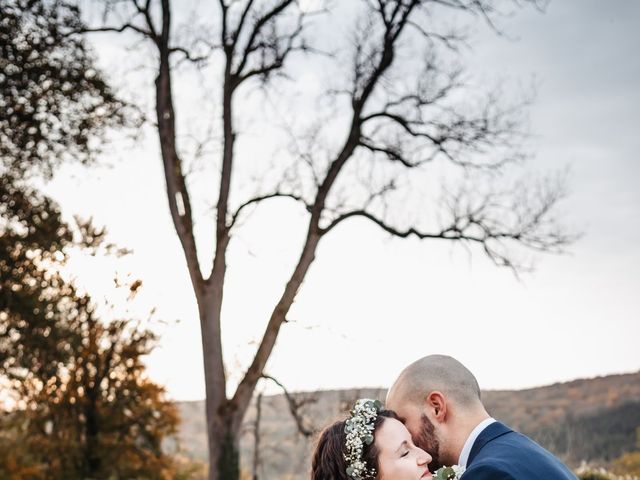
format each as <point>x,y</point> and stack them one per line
<point>453,472</point>
<point>359,433</point>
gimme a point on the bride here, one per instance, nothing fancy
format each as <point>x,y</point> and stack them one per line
<point>372,444</point>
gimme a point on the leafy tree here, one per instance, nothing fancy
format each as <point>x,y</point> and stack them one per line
<point>390,122</point>
<point>593,474</point>
<point>77,402</point>
<point>629,462</point>
<point>55,106</point>
<point>83,407</point>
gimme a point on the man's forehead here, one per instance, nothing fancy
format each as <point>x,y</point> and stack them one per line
<point>397,393</point>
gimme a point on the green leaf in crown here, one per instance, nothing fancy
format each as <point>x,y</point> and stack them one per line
<point>445,473</point>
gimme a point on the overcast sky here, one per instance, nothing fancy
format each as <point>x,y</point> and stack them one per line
<point>371,304</point>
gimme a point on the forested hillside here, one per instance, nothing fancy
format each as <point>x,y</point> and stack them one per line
<point>591,419</point>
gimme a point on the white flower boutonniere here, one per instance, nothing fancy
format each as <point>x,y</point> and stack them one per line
<point>454,472</point>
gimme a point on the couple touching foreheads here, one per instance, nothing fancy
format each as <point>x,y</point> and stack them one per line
<point>434,418</point>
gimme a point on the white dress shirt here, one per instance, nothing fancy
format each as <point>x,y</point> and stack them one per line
<point>466,449</point>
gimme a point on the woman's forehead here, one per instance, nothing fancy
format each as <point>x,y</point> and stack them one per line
<point>392,434</point>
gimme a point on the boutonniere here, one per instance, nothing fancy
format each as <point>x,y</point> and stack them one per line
<point>453,472</point>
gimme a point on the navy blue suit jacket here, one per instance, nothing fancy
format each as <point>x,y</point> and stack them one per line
<point>499,453</point>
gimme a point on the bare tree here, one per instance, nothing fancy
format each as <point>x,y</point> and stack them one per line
<point>295,403</point>
<point>398,121</point>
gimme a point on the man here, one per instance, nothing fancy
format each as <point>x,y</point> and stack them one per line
<point>439,401</point>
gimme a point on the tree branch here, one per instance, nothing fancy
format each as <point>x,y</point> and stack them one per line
<point>149,32</point>
<point>243,393</point>
<point>188,55</point>
<point>406,125</point>
<point>122,28</point>
<point>146,11</point>
<point>177,193</point>
<point>241,22</point>
<point>394,153</point>
<point>256,30</point>
<point>261,198</point>
<point>492,223</point>
<point>450,40</point>
<point>294,408</point>
<point>279,56</point>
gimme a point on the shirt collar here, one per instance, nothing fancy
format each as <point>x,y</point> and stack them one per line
<point>466,449</point>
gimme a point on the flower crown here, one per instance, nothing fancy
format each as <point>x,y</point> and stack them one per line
<point>359,433</point>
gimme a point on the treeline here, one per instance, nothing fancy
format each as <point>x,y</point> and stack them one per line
<point>592,420</point>
<point>603,436</point>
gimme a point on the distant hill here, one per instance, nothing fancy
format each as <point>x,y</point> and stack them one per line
<point>591,419</point>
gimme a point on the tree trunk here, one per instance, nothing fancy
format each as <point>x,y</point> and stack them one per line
<point>222,441</point>
<point>224,448</point>
<point>228,462</point>
<point>256,436</point>
<point>92,458</point>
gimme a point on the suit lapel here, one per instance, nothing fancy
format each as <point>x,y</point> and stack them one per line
<point>493,431</point>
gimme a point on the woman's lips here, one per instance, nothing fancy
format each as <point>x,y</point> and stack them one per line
<point>426,474</point>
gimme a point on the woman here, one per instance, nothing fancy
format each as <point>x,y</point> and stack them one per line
<point>372,444</point>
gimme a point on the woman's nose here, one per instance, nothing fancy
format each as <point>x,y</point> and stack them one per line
<point>423,457</point>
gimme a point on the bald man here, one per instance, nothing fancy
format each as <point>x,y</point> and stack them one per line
<point>438,399</point>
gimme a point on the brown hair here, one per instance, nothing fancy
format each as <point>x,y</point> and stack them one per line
<point>328,458</point>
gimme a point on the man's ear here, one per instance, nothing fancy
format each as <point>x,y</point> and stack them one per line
<point>437,404</point>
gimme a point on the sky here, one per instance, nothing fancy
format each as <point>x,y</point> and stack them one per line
<point>371,304</point>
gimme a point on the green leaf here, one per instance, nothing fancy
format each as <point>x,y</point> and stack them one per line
<point>445,473</point>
